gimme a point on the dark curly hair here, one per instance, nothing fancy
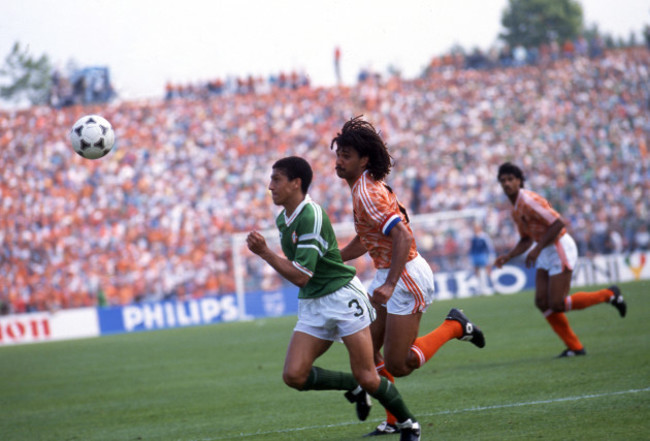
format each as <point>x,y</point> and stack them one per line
<point>365,140</point>
<point>508,168</point>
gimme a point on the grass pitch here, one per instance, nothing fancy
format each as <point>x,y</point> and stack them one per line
<point>223,382</point>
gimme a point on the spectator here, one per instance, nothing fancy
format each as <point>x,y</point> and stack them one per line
<point>141,225</point>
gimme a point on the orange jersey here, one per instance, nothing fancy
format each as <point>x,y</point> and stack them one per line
<point>376,212</point>
<point>533,215</point>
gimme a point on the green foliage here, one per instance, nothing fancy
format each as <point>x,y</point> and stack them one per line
<point>24,76</point>
<point>223,382</point>
<point>532,22</point>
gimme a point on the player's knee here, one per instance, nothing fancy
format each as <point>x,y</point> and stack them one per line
<point>557,305</point>
<point>398,369</point>
<point>541,304</point>
<point>294,379</point>
<point>368,380</point>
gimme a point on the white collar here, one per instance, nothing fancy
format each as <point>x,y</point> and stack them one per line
<point>296,212</point>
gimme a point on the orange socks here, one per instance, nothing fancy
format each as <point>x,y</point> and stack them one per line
<point>560,325</point>
<point>424,347</point>
<point>579,300</point>
<point>381,370</point>
<point>582,300</point>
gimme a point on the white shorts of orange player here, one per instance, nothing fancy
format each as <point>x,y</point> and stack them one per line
<point>558,256</point>
<point>414,291</point>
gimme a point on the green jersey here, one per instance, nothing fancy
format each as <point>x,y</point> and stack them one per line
<point>308,241</point>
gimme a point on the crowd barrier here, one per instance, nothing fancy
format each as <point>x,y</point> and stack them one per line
<point>93,322</point>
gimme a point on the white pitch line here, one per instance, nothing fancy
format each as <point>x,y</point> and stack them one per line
<point>534,403</point>
<point>444,412</point>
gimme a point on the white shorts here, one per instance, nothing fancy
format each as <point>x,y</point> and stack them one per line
<point>558,256</point>
<point>414,291</point>
<point>342,313</point>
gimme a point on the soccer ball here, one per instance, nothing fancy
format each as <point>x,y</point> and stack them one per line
<point>92,136</point>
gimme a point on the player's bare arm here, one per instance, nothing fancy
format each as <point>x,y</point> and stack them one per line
<point>521,247</point>
<point>549,237</point>
<point>257,244</point>
<point>402,240</point>
<point>353,250</point>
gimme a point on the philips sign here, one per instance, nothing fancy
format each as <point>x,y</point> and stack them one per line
<point>162,315</point>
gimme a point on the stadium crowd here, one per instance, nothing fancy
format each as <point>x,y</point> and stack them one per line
<point>154,218</point>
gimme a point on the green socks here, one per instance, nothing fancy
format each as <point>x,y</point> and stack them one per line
<point>389,397</point>
<point>323,379</point>
<point>387,394</point>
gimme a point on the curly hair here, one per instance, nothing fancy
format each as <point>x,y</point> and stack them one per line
<point>508,168</point>
<point>361,136</point>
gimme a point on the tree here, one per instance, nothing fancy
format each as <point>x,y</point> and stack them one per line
<point>23,76</point>
<point>531,23</point>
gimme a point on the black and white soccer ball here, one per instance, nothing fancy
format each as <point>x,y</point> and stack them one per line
<point>92,136</point>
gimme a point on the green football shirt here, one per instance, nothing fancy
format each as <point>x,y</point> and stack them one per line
<point>308,241</point>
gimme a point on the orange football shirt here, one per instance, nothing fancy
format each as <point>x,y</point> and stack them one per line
<point>376,212</point>
<point>533,215</point>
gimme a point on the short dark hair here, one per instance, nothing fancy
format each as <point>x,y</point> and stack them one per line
<point>508,168</point>
<point>295,167</point>
<point>365,140</point>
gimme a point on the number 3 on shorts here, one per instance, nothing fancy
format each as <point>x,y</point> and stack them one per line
<point>355,304</point>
